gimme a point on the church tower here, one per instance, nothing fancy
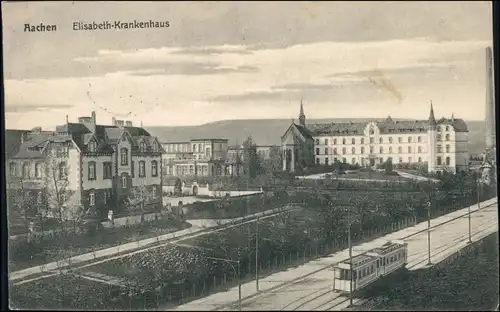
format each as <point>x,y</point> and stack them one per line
<point>431,146</point>
<point>302,116</point>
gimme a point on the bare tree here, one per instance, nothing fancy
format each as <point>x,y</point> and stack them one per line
<point>21,204</point>
<point>139,197</point>
<point>58,186</point>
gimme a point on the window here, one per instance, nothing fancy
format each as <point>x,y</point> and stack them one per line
<point>317,141</point>
<point>448,161</point>
<point>334,141</point>
<point>447,137</point>
<point>343,141</point>
<point>390,149</point>
<point>400,159</point>
<point>326,141</point>
<point>92,198</point>
<point>91,170</point>
<point>344,160</point>
<point>26,171</point>
<point>420,149</point>
<point>63,174</point>
<point>381,160</point>
<point>326,161</point>
<point>371,149</point>
<point>153,192</point>
<point>154,168</point>
<point>439,149</point>
<point>124,157</point>
<point>132,168</point>
<point>326,150</point>
<point>372,140</point>
<point>38,170</point>
<point>317,150</point>
<point>124,182</point>
<point>353,150</point>
<point>208,151</point>
<point>195,149</point>
<point>362,150</point>
<point>317,161</point>
<point>142,168</point>
<point>438,137</point>
<point>409,149</point>
<point>390,139</point>
<point>409,139</point>
<point>447,128</point>
<point>343,150</point>
<point>419,139</point>
<point>155,147</point>
<point>92,147</point>
<point>420,159</point>
<point>106,170</point>
<point>439,160</point>
<point>447,148</point>
<point>353,141</point>
<point>362,140</point>
<point>409,159</point>
<point>381,140</point>
<point>372,131</point>
<point>12,169</point>
<point>400,149</point>
<point>381,150</point>
<point>191,169</point>
<point>335,151</point>
<point>143,146</point>
<point>353,161</point>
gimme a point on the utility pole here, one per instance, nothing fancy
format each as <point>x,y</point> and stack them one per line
<point>429,232</point>
<point>239,286</point>
<point>350,253</point>
<point>257,254</point>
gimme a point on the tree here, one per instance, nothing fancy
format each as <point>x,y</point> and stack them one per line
<point>251,161</point>
<point>273,164</point>
<point>178,187</point>
<point>58,186</point>
<point>388,165</point>
<point>22,205</point>
<point>140,195</point>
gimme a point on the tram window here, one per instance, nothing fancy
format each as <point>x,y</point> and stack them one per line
<point>354,275</point>
<point>378,264</point>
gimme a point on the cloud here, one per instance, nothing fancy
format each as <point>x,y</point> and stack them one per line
<point>35,108</point>
<point>187,69</point>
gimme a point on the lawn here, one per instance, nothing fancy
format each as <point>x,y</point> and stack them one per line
<point>469,283</point>
<point>65,292</point>
<point>24,254</point>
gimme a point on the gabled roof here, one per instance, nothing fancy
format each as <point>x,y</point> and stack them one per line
<point>13,140</point>
<point>34,145</point>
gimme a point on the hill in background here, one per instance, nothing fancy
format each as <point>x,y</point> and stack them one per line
<point>269,131</point>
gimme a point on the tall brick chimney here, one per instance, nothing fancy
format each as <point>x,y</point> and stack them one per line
<point>490,102</point>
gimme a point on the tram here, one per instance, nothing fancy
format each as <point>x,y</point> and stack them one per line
<point>369,266</point>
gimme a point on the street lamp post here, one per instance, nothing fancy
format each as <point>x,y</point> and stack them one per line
<point>237,271</point>
<point>257,254</point>
<point>429,233</point>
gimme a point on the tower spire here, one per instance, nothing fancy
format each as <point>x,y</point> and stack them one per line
<point>432,119</point>
<point>302,116</point>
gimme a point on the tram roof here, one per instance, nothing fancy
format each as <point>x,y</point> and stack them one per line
<point>387,247</point>
<point>358,260</point>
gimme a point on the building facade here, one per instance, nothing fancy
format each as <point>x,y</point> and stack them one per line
<point>442,144</point>
<point>88,165</point>
<point>197,157</point>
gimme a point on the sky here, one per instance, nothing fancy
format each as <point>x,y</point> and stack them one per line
<point>243,60</point>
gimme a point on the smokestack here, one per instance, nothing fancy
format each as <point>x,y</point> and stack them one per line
<point>113,121</point>
<point>490,102</point>
<point>93,117</point>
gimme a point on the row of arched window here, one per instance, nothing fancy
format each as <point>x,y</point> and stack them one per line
<point>372,149</point>
<point>92,175</point>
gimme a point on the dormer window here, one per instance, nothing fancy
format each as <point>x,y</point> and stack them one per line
<point>92,147</point>
<point>142,146</point>
<point>155,147</point>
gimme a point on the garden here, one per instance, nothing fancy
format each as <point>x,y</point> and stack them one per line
<point>38,249</point>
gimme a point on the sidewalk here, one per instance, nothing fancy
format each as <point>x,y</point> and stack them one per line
<point>414,177</point>
<point>197,228</point>
<point>222,300</point>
